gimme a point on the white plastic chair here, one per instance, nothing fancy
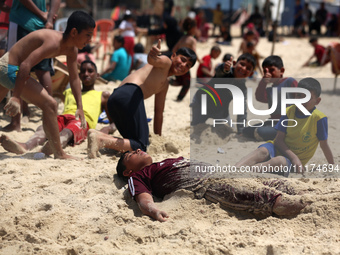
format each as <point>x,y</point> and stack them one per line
<point>60,24</point>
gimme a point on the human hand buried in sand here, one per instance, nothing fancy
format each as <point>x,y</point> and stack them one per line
<point>13,106</point>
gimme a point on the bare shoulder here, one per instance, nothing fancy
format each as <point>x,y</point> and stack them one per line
<point>105,95</point>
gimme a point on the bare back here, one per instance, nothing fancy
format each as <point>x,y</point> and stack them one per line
<point>38,45</point>
<point>151,80</point>
<point>187,41</point>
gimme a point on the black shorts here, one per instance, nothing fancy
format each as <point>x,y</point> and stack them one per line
<point>127,111</point>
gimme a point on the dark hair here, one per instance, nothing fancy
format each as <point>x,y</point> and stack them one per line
<point>79,20</point>
<point>89,62</point>
<point>227,57</point>
<point>121,167</point>
<point>273,60</point>
<point>247,56</point>
<point>119,39</point>
<point>311,85</point>
<point>187,53</point>
<point>215,48</point>
<point>188,24</point>
<point>139,48</point>
<point>313,39</point>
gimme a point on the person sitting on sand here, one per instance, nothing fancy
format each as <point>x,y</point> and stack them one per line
<point>298,136</point>
<point>30,50</point>
<point>262,197</point>
<point>126,103</point>
<point>319,52</point>
<point>69,127</point>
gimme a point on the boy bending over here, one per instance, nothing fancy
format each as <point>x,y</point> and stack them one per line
<point>69,127</point>
<point>126,103</point>
<point>15,69</point>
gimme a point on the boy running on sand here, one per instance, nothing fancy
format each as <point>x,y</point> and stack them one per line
<point>15,69</point>
<point>126,104</point>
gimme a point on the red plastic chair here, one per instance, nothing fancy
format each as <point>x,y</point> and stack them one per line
<point>103,26</point>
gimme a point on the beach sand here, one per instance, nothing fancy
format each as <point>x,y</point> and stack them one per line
<point>53,206</point>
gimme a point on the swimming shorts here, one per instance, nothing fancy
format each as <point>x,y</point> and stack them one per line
<point>8,73</point>
<point>69,121</point>
<point>272,153</point>
<point>127,111</point>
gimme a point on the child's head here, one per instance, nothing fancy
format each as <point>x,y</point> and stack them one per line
<point>118,41</point>
<point>189,25</point>
<point>250,35</point>
<point>88,74</point>
<point>314,87</point>
<point>274,65</point>
<point>313,41</point>
<point>139,48</point>
<point>227,57</point>
<point>189,53</point>
<point>182,61</point>
<point>244,66</point>
<point>131,162</point>
<point>81,21</point>
<point>215,52</point>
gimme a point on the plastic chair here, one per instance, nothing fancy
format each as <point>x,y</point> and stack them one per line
<point>104,26</point>
<point>60,24</point>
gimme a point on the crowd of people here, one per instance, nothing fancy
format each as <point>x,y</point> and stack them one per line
<point>142,73</point>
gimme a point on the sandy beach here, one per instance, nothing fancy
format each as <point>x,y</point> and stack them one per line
<point>53,206</point>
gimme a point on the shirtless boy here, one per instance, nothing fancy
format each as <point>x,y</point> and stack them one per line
<point>70,128</point>
<point>126,104</point>
<point>15,69</point>
<point>188,40</point>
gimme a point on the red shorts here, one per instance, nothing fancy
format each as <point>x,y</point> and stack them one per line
<point>69,121</point>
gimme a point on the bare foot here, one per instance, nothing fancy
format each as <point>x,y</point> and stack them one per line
<point>287,207</point>
<point>47,149</point>
<point>93,144</point>
<point>12,146</point>
<point>66,156</point>
<point>10,127</point>
<point>25,119</point>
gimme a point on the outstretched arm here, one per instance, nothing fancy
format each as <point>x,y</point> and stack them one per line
<point>148,207</point>
<point>75,86</point>
<point>159,109</point>
<point>327,151</point>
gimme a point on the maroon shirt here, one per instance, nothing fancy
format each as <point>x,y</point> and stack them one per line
<point>158,179</point>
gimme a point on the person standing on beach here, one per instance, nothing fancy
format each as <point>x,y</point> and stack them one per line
<point>69,127</point>
<point>26,17</point>
<point>16,65</point>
